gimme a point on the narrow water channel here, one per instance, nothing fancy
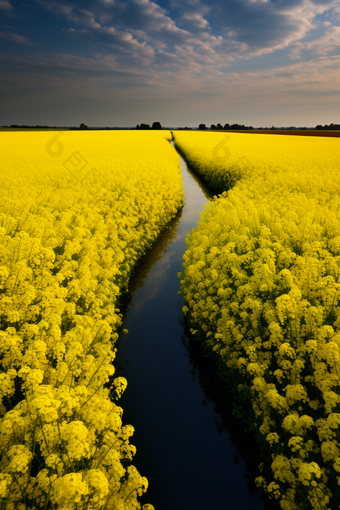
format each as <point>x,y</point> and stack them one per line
<point>182,449</point>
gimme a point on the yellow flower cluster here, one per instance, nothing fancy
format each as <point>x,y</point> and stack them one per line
<point>261,282</point>
<point>77,211</point>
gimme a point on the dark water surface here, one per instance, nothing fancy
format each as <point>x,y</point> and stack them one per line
<point>183,447</point>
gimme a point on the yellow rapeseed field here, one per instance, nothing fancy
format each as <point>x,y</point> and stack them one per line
<point>261,282</point>
<point>77,211</point>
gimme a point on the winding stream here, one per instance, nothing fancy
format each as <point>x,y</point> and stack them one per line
<point>183,447</point>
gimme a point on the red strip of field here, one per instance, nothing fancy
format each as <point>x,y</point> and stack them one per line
<point>282,132</point>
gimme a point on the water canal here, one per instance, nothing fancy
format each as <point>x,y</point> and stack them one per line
<point>183,429</point>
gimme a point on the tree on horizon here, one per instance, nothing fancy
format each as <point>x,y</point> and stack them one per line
<point>156,125</point>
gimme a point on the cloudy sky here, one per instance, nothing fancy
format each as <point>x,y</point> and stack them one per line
<point>179,62</point>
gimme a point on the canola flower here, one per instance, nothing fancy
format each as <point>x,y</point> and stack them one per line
<point>261,282</point>
<point>75,217</point>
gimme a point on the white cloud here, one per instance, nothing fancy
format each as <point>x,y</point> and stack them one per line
<point>6,5</point>
<point>194,20</point>
<point>336,13</point>
<point>173,71</point>
<point>16,38</point>
<point>139,42</point>
<point>322,46</point>
<point>242,28</point>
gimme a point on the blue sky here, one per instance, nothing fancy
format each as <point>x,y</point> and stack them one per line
<point>179,62</point>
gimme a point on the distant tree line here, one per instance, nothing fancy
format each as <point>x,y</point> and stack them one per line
<point>27,127</point>
<point>82,126</point>
<point>213,127</point>
<point>226,126</point>
<point>331,126</point>
<point>155,125</point>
